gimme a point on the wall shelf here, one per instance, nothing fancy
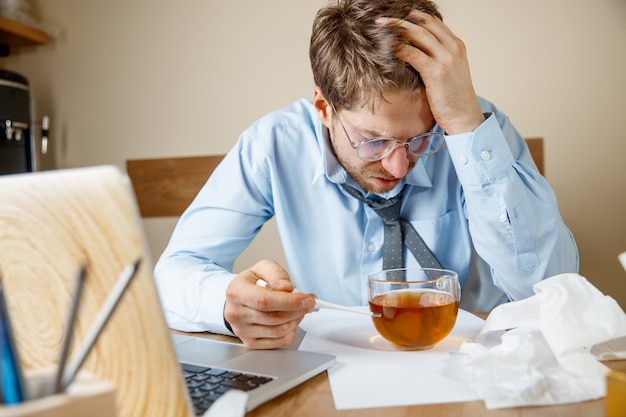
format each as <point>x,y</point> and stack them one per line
<point>16,34</point>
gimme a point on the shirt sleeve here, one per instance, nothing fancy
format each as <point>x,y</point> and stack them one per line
<point>192,302</point>
<point>512,212</point>
<point>196,267</point>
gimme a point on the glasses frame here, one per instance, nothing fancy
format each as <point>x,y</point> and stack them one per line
<point>397,143</point>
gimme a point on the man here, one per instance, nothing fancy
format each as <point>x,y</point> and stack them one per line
<point>383,69</point>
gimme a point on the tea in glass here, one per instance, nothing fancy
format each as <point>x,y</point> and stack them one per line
<point>417,307</point>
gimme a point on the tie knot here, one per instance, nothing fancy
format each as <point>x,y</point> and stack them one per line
<point>387,209</point>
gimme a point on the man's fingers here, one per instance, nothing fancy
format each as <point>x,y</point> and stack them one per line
<point>259,314</point>
<point>257,335</point>
<point>277,331</point>
<point>267,343</point>
<point>276,277</point>
<point>439,30</point>
<point>265,317</point>
<point>428,36</point>
<point>280,301</point>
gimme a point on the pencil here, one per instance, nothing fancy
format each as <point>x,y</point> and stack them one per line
<point>13,390</point>
<point>100,322</point>
<point>69,329</point>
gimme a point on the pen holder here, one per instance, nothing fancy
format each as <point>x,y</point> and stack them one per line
<point>86,396</point>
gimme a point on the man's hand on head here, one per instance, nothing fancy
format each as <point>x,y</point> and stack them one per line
<point>440,58</point>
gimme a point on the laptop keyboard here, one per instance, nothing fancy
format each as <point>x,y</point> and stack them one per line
<point>206,385</point>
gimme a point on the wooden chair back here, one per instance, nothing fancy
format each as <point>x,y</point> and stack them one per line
<point>166,186</point>
<point>536,150</point>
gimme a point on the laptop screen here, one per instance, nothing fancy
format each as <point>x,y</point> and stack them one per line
<point>53,222</point>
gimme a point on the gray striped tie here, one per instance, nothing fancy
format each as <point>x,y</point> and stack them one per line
<point>397,230</point>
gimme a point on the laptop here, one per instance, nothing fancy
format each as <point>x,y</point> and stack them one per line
<point>53,222</point>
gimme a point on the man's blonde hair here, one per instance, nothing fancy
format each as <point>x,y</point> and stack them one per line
<point>352,57</point>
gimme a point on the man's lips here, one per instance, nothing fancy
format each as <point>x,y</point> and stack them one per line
<point>385,183</point>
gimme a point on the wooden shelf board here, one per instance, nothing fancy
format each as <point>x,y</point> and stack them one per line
<point>14,33</point>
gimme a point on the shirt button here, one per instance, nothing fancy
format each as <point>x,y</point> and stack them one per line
<point>503,218</point>
<point>371,247</point>
<point>463,159</point>
<point>485,155</point>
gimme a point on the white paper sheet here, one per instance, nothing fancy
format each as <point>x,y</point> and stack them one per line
<point>371,373</point>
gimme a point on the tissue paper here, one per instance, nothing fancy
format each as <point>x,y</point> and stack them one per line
<point>540,350</point>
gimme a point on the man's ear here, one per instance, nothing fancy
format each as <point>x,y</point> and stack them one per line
<point>323,107</point>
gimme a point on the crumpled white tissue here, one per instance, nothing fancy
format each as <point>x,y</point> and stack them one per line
<point>231,404</point>
<point>546,349</point>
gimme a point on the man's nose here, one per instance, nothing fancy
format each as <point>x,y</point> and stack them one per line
<point>397,162</point>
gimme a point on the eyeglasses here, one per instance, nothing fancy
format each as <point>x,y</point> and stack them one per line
<point>375,149</point>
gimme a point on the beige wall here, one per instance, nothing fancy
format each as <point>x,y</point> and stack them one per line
<point>147,78</point>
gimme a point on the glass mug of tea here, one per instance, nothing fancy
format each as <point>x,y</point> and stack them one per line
<point>415,308</point>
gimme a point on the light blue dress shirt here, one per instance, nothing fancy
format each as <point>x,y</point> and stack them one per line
<point>482,193</point>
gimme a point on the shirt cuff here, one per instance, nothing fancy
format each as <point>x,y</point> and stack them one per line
<point>481,156</point>
<point>213,296</point>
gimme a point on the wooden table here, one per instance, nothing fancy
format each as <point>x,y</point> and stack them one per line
<point>313,398</point>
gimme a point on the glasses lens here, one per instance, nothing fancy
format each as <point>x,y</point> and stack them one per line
<point>426,144</point>
<point>375,149</point>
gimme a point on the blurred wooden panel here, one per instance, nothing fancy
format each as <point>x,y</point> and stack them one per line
<point>166,186</point>
<point>536,150</point>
